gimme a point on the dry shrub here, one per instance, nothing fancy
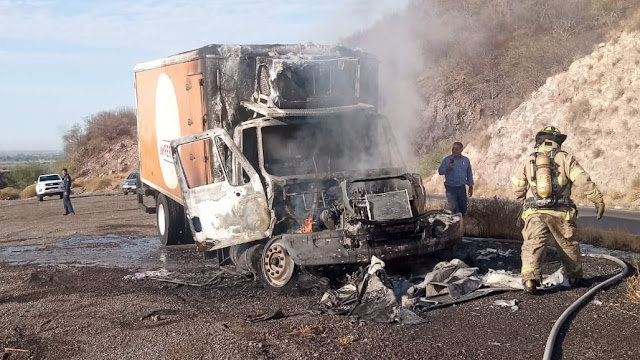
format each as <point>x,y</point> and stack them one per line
<point>617,240</point>
<point>308,331</point>
<point>615,195</point>
<point>9,193</point>
<point>78,182</point>
<point>434,204</point>
<point>635,183</point>
<point>346,340</point>
<point>28,192</point>
<point>432,160</point>
<point>493,218</point>
<point>596,152</point>
<point>632,23</point>
<point>97,184</point>
<point>481,141</point>
<point>105,183</point>
<point>99,133</point>
<point>633,287</point>
<point>578,111</point>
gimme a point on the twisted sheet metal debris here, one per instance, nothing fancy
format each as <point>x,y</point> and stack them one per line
<point>374,297</point>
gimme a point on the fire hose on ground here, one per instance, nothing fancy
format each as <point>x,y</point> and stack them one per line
<point>548,351</point>
<point>555,330</point>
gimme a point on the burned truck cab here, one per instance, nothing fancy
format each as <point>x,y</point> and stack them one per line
<point>311,176</point>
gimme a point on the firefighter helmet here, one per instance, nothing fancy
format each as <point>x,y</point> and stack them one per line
<point>550,133</point>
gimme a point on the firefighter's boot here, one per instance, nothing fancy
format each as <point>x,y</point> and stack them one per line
<point>531,287</point>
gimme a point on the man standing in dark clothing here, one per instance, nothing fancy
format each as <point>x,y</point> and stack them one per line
<point>66,197</point>
<point>456,169</point>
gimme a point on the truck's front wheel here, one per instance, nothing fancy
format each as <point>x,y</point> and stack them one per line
<point>169,219</point>
<point>276,269</point>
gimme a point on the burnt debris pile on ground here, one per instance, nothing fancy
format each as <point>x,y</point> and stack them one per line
<point>374,296</point>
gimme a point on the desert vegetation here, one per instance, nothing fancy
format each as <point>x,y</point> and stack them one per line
<point>480,59</point>
<point>99,132</point>
<point>498,218</point>
<point>86,146</point>
<point>633,287</point>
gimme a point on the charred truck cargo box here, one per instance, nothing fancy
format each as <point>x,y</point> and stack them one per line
<point>275,157</point>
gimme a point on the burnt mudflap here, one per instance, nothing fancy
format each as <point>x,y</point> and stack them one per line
<point>433,231</point>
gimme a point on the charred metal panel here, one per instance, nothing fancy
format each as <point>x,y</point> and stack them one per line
<point>283,113</point>
<point>231,210</point>
<point>305,82</point>
<point>389,205</point>
<point>441,230</point>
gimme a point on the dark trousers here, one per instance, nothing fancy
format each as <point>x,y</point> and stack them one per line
<point>457,199</point>
<point>66,199</point>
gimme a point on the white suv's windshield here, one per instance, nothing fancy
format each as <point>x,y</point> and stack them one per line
<point>49,177</point>
<point>323,145</point>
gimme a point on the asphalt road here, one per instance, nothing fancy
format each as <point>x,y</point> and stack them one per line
<point>613,219</point>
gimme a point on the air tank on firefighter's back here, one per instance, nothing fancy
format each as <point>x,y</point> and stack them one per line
<point>543,176</point>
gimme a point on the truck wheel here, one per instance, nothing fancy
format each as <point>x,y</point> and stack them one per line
<point>61,196</point>
<point>247,257</point>
<point>169,220</point>
<point>40,197</point>
<point>276,269</point>
<point>186,237</point>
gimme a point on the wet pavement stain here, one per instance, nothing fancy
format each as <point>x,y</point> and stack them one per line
<point>105,251</point>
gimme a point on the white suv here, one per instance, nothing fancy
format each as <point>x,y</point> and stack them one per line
<point>49,185</point>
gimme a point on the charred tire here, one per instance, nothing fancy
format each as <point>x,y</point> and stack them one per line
<point>40,197</point>
<point>276,268</point>
<point>186,236</point>
<point>169,220</point>
<point>247,257</point>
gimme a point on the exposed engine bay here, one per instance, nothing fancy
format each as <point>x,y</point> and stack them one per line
<point>356,216</point>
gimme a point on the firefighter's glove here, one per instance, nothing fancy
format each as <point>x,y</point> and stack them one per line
<point>599,208</point>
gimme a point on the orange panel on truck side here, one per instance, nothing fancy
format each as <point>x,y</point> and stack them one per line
<point>170,105</point>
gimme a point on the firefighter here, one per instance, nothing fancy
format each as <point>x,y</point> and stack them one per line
<point>543,184</point>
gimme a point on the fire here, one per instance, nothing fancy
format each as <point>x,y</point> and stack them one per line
<point>308,225</point>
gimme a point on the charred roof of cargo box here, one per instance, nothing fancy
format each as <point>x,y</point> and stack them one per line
<point>270,50</point>
<point>302,76</point>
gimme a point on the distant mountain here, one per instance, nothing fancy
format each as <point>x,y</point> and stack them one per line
<point>30,156</point>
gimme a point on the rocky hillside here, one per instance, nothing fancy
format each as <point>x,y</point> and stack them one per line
<point>119,157</point>
<point>596,103</point>
<point>105,144</point>
<point>452,67</point>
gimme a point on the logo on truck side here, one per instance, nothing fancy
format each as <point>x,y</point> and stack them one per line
<point>167,127</point>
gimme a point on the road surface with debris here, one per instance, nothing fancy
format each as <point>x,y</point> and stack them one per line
<point>99,286</point>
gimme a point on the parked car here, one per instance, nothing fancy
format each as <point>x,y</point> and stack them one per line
<point>129,184</point>
<point>49,185</point>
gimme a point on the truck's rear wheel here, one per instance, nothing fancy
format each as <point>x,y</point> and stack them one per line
<point>169,220</point>
<point>40,197</point>
<point>277,270</point>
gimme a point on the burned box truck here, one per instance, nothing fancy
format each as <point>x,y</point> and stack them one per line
<point>275,157</point>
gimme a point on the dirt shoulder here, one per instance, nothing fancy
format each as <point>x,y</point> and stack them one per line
<point>31,222</point>
<point>95,312</point>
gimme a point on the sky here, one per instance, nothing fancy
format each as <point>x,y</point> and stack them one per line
<point>64,60</point>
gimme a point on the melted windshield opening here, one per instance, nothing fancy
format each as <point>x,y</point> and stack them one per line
<point>324,145</point>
